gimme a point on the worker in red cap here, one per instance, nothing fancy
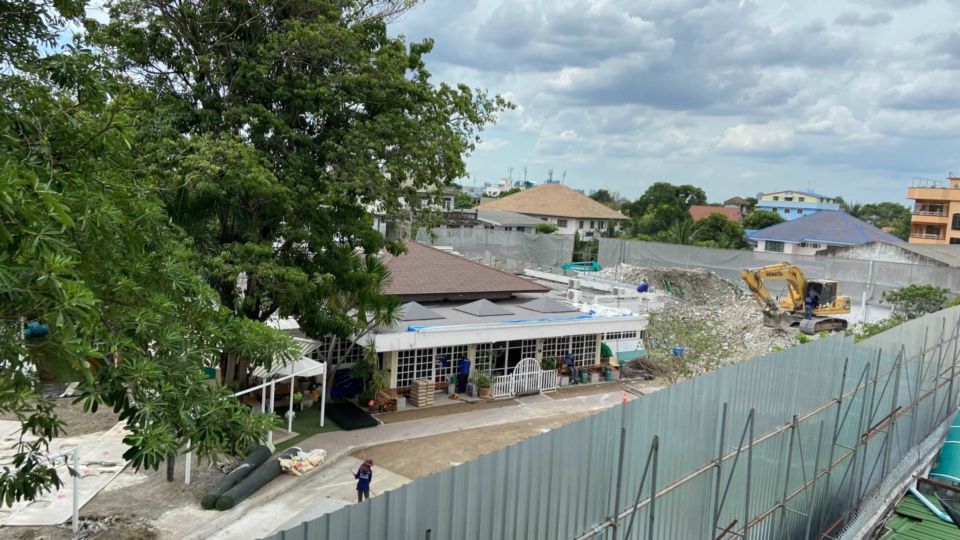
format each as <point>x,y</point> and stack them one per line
<point>364,476</point>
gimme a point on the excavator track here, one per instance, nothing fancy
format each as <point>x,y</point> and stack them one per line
<point>815,325</point>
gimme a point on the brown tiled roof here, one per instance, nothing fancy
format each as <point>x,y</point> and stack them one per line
<point>553,200</point>
<point>698,212</point>
<point>739,201</point>
<point>426,273</point>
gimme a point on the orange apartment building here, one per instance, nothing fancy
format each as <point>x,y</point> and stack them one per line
<point>936,212</point>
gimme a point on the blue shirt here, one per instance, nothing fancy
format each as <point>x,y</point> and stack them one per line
<point>464,366</point>
<point>363,476</point>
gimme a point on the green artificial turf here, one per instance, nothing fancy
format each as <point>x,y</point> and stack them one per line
<point>349,416</point>
<point>307,424</point>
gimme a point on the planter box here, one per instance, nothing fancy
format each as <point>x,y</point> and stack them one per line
<point>594,377</point>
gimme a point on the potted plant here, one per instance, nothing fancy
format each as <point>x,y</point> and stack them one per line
<point>548,363</point>
<point>484,381</point>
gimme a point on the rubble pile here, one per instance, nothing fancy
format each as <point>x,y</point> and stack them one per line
<point>701,295</point>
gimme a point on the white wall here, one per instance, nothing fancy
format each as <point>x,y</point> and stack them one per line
<point>792,248</point>
<point>573,225</point>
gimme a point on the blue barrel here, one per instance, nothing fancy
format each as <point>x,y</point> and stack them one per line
<point>947,467</point>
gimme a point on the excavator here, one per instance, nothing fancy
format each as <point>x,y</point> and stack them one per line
<point>789,312</point>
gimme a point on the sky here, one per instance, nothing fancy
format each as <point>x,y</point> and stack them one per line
<point>849,98</point>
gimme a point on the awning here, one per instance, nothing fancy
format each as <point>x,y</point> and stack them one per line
<point>304,367</point>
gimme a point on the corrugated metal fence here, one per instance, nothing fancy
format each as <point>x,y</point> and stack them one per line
<point>511,250</point>
<point>782,446</point>
<point>856,276</point>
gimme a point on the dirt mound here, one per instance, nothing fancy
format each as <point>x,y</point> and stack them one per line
<point>696,286</point>
<point>708,310</point>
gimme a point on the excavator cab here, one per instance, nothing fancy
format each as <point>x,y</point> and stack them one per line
<point>825,289</point>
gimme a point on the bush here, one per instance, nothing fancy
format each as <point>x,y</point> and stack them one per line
<point>915,300</point>
<point>546,228</point>
<point>871,329</point>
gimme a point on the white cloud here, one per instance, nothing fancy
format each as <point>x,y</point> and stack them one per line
<point>623,93</point>
<point>756,138</point>
<point>489,145</point>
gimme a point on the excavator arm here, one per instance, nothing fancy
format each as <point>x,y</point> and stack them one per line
<point>796,286</point>
<point>790,310</point>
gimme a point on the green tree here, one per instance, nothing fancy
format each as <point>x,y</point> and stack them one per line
<point>661,206</point>
<point>717,230</point>
<point>604,197</point>
<point>509,192</point>
<point>915,300</point>
<point>464,200</point>
<point>275,126</point>
<point>546,228</point>
<point>761,219</point>
<point>684,232</point>
<point>87,250</point>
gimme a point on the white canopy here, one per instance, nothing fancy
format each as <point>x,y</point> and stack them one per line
<point>304,367</point>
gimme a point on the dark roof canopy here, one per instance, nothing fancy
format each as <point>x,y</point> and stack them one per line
<point>483,308</point>
<point>424,273</point>
<point>412,311</point>
<point>546,304</point>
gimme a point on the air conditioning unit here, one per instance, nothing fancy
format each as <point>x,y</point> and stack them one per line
<point>574,283</point>
<point>621,291</point>
<point>574,295</point>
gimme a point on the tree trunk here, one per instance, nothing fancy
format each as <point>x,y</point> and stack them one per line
<point>171,463</point>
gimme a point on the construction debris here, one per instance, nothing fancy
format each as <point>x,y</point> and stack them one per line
<point>708,310</point>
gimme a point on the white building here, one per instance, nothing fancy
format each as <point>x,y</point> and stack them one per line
<point>570,211</point>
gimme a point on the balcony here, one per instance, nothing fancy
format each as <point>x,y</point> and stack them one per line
<point>930,212</point>
<point>927,236</point>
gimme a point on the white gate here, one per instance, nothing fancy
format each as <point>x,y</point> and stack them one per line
<point>526,377</point>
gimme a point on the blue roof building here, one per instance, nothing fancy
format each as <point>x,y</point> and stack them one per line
<point>815,232</point>
<point>795,204</point>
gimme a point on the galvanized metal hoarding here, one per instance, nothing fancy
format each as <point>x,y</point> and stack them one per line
<point>782,446</point>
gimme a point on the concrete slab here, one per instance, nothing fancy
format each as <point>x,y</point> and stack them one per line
<point>101,460</point>
<point>287,496</point>
<point>327,491</point>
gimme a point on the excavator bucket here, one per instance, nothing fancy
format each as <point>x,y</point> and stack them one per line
<point>777,319</point>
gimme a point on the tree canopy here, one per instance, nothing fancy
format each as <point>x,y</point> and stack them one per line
<point>203,166</point>
<point>761,219</point>
<point>88,253</point>
<point>276,127</point>
<point>661,206</point>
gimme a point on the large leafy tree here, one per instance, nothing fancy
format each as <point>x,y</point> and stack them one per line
<point>717,230</point>
<point>761,219</point>
<point>88,252</point>
<point>278,126</point>
<point>661,206</point>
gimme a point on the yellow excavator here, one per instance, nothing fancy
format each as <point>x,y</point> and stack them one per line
<point>790,312</point>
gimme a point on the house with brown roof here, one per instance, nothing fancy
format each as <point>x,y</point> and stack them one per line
<point>571,211</point>
<point>456,308</point>
<point>702,211</point>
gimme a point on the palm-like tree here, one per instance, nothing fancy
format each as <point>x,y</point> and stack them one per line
<point>683,232</point>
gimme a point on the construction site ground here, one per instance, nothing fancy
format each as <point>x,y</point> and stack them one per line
<point>143,505</point>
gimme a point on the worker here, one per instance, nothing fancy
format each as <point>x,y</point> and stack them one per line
<point>572,366</point>
<point>810,302</point>
<point>463,374</point>
<point>643,286</point>
<point>364,476</point>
